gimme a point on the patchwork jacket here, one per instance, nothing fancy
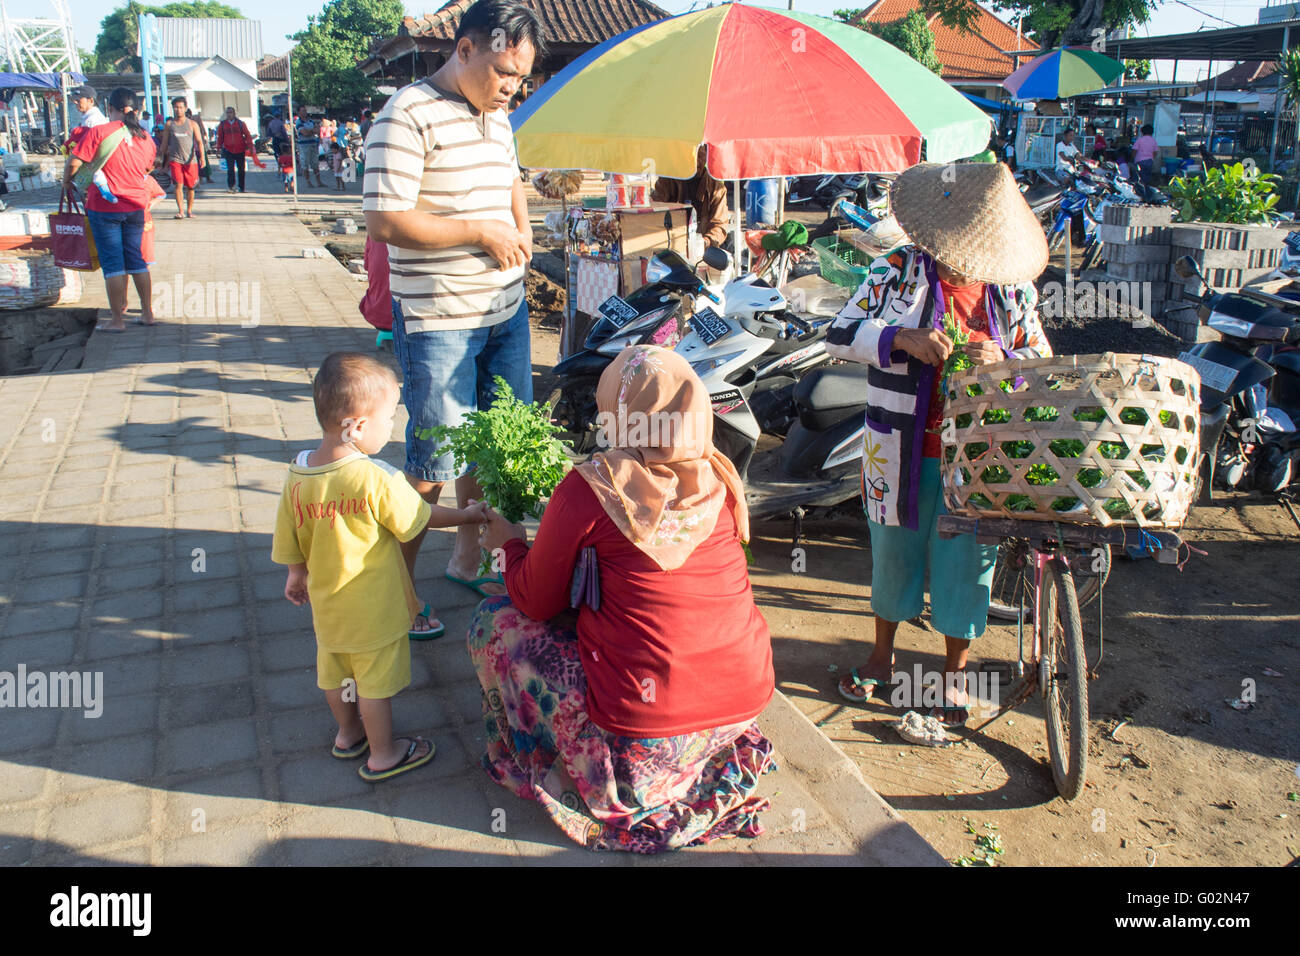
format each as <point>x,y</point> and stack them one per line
<point>902,291</point>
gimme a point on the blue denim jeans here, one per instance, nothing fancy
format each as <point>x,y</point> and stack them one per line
<point>117,241</point>
<point>447,374</point>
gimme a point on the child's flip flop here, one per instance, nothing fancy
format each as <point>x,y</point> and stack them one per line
<point>351,753</point>
<point>431,634</point>
<point>408,762</point>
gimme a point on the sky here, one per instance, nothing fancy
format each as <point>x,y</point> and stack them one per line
<point>288,16</point>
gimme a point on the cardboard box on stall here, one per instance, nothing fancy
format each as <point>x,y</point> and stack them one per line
<point>645,232</point>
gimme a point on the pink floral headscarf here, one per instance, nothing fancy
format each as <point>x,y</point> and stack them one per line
<point>662,481</point>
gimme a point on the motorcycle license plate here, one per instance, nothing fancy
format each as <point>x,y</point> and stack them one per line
<point>709,326</point>
<point>1213,375</point>
<point>617,311</point>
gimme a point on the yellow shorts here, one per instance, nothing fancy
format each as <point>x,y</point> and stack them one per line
<point>379,674</point>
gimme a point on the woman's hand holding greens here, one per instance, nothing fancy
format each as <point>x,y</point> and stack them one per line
<point>929,345</point>
<point>497,531</point>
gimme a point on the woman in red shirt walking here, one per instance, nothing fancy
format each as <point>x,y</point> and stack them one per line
<point>634,728</point>
<point>117,223</point>
<point>235,142</point>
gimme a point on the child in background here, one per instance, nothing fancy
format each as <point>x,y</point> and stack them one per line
<point>284,159</point>
<point>341,520</point>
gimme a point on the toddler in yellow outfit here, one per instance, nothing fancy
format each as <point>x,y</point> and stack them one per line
<point>342,518</point>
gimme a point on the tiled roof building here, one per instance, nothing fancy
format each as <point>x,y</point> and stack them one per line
<point>571,27</point>
<point>969,58</point>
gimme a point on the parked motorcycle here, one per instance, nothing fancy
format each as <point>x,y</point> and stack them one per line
<point>761,365</point>
<point>1250,389</point>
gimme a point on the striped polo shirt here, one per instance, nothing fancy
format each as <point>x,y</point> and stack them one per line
<point>432,151</point>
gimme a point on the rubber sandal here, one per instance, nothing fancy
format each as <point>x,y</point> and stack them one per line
<point>941,714</point>
<point>358,749</point>
<point>433,633</point>
<point>108,328</point>
<point>408,762</point>
<point>870,683</point>
<point>476,584</point>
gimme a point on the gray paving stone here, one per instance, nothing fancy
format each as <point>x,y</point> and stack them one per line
<point>113,606</point>
<point>304,731</point>
<point>244,845</point>
<point>123,715</point>
<point>52,650</point>
<point>53,537</point>
<point>209,746</point>
<point>154,505</point>
<point>221,797</point>
<point>192,666</point>
<point>114,640</point>
<point>281,615</point>
<point>120,759</point>
<point>115,580</point>
<point>199,705</point>
<point>18,838</point>
<point>294,651</point>
<point>100,818</point>
<point>23,779</point>
<point>131,554</point>
<point>209,501</point>
<point>130,675</point>
<point>38,620</point>
<point>294,690</point>
<point>57,562</point>
<point>320,778</point>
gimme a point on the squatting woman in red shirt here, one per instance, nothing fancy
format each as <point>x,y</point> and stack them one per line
<point>634,728</point>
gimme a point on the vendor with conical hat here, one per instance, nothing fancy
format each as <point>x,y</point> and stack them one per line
<point>975,250</point>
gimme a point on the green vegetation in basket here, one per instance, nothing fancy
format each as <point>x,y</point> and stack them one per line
<point>958,360</point>
<point>518,460</point>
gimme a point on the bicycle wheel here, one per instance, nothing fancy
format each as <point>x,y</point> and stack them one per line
<point>1064,679</point>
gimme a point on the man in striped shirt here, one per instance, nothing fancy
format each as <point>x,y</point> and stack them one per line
<point>443,190</point>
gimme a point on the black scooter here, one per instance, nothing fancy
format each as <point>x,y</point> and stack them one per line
<point>1255,368</point>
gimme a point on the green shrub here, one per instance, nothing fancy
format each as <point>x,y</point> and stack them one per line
<point>1228,194</point>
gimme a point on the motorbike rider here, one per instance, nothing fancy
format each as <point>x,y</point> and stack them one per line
<point>707,195</point>
<point>976,249</point>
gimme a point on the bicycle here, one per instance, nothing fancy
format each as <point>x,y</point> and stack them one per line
<point>1057,666</point>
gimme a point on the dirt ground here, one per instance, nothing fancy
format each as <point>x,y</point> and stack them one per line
<point>1186,781</point>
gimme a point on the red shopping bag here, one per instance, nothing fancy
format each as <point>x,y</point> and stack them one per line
<point>146,239</point>
<point>70,239</point>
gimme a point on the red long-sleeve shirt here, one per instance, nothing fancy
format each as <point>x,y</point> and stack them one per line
<point>669,652</point>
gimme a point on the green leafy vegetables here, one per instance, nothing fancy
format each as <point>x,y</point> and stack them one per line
<point>1043,474</point>
<point>518,459</point>
<point>958,360</point>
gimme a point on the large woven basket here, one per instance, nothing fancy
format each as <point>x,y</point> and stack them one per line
<point>29,280</point>
<point>1086,439</point>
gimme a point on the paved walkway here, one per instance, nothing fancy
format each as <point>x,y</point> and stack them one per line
<point>139,494</point>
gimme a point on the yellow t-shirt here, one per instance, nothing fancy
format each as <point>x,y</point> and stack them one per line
<point>344,521</point>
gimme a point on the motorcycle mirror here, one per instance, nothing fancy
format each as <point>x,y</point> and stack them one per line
<point>1187,268</point>
<point>716,258</point>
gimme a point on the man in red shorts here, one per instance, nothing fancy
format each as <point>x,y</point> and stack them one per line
<point>182,146</point>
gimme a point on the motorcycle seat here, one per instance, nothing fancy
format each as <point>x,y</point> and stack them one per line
<point>835,386</point>
<point>1041,194</point>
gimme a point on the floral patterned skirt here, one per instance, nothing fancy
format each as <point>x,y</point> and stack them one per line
<point>605,791</point>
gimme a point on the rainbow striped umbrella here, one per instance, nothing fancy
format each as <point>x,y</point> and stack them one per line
<point>771,93</point>
<point>1061,73</point>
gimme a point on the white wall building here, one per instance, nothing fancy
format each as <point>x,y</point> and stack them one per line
<point>216,60</point>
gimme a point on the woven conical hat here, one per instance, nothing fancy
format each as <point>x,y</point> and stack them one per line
<point>973,219</point>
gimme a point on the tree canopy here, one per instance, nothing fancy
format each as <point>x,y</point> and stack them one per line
<point>325,60</point>
<point>912,35</point>
<point>119,32</point>
<point>1049,23</point>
